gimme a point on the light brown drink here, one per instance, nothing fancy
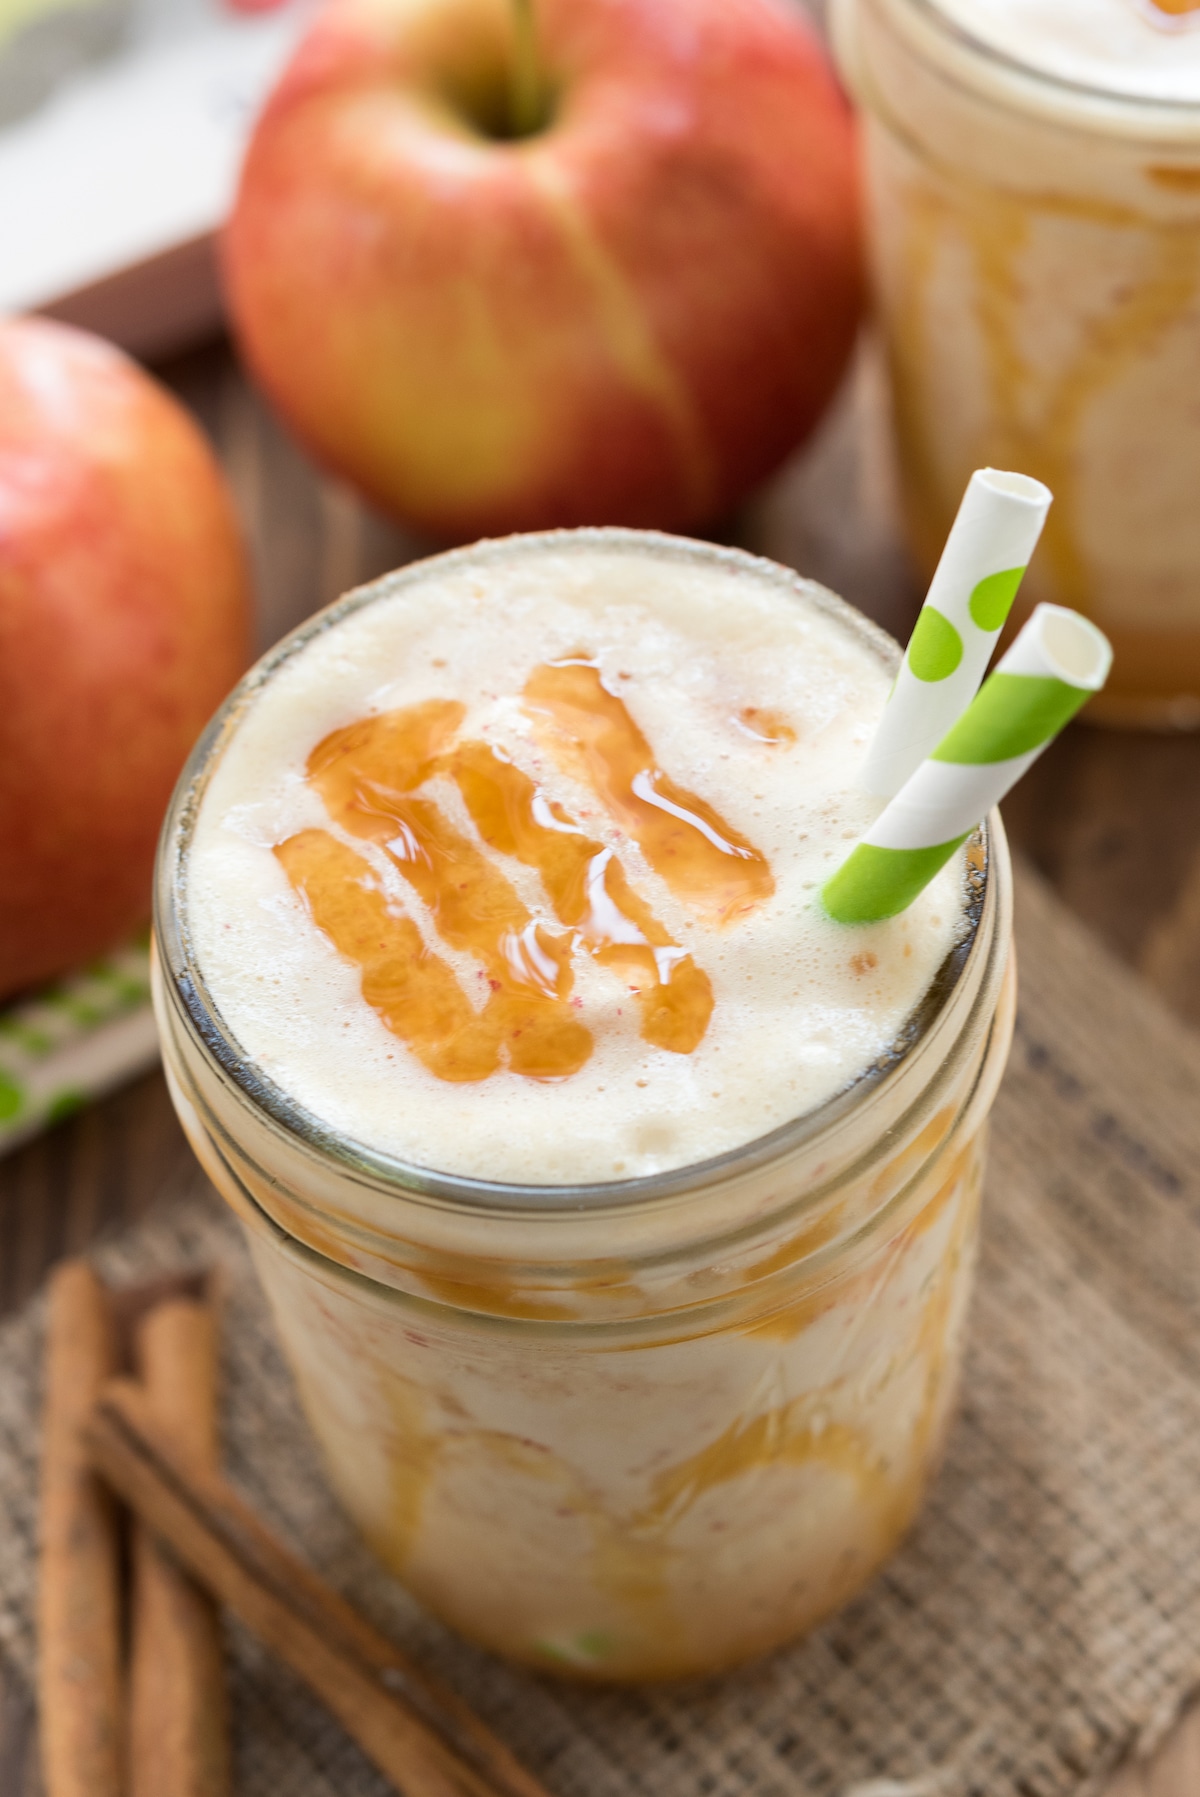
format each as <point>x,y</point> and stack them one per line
<point>616,1208</point>
<point>1033,189</point>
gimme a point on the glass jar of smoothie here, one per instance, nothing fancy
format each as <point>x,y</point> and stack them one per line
<point>616,1208</point>
<point>1032,175</point>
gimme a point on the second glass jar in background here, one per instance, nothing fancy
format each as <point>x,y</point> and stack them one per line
<point>1036,252</point>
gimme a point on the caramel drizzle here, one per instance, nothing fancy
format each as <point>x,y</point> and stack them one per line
<point>415,991</point>
<point>587,728</point>
<point>365,774</point>
<point>589,890</point>
<point>368,775</point>
<point>763,726</point>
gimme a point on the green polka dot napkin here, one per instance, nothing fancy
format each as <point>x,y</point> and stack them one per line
<point>74,1041</point>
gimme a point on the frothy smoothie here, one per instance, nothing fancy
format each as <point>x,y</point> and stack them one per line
<point>540,839</point>
<point>616,1207</point>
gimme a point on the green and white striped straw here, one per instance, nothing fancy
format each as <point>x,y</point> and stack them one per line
<point>74,1041</point>
<point>969,599</point>
<point>1057,662</point>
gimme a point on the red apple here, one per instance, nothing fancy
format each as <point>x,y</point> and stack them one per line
<point>630,315</point>
<point>124,620</point>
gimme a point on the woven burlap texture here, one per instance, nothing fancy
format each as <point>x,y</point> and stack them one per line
<point>1044,1618</point>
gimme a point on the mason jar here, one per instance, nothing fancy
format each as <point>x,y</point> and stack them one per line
<point>635,1429</point>
<point>1032,182</point>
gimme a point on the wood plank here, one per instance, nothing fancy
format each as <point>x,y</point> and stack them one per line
<point>103,1166</point>
<point>1112,818</point>
<point>19,1773</point>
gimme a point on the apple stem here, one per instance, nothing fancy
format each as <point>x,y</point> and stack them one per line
<point>525,92</point>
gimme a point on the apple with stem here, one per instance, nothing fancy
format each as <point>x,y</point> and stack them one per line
<point>507,265</point>
<point>124,621</point>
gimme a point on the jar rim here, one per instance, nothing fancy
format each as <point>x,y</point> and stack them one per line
<point>1115,100</point>
<point>363,1162</point>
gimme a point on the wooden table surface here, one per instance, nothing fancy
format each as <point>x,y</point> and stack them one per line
<point>1112,819</point>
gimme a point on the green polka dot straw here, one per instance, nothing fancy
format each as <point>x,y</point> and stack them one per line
<point>73,1041</point>
<point>1056,663</point>
<point>969,599</point>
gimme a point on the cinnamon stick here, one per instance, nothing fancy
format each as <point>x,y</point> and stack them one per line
<point>419,1733</point>
<point>79,1652</point>
<point>178,1708</point>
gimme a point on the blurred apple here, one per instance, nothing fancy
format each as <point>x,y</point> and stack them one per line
<point>627,307</point>
<point>124,620</point>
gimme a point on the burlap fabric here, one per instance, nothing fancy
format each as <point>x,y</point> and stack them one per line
<point>1044,1618</point>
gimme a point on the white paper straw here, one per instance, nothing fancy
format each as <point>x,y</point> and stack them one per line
<point>969,599</point>
<point>1056,663</point>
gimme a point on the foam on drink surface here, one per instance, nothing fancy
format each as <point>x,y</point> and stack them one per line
<point>1140,49</point>
<point>514,871</point>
